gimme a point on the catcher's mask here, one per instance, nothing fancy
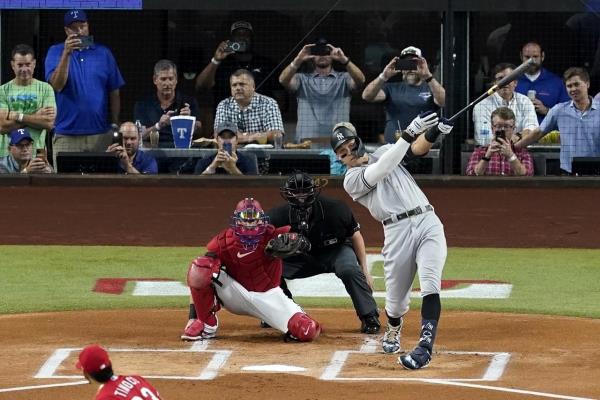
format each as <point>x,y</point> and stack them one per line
<point>343,132</point>
<point>249,223</point>
<point>300,190</point>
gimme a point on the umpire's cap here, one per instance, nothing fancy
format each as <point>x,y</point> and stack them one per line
<point>344,131</point>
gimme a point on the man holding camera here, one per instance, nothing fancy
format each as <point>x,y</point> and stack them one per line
<point>86,79</point>
<point>132,160</point>
<point>418,91</point>
<point>500,157</point>
<point>323,94</point>
<point>227,160</point>
<point>20,156</point>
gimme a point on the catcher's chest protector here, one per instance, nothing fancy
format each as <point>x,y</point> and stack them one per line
<point>252,268</point>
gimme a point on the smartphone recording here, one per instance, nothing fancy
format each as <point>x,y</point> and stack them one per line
<point>406,64</point>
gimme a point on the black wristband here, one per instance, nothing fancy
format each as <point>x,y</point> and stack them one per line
<point>429,79</point>
<point>432,134</point>
<point>407,137</point>
<point>346,63</point>
<point>484,158</point>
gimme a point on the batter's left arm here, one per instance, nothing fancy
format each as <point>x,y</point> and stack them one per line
<point>358,243</point>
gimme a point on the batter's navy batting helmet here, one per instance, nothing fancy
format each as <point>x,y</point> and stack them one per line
<point>343,132</point>
<point>300,190</point>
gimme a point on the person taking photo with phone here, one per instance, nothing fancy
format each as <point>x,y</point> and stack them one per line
<point>227,160</point>
<point>500,157</point>
<point>323,93</point>
<point>20,156</point>
<point>404,100</point>
<point>132,160</point>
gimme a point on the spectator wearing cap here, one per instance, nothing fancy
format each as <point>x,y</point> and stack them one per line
<point>324,94</point>
<point>25,102</point>
<point>132,160</point>
<point>418,92</point>
<point>257,117</point>
<point>20,156</point>
<point>227,160</point>
<point>86,79</point>
<point>97,368</point>
<point>232,55</point>
<point>156,110</point>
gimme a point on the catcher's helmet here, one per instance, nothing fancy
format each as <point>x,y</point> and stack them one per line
<point>300,190</point>
<point>343,132</point>
<point>249,223</point>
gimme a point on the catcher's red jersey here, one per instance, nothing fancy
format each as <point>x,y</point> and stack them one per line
<point>127,388</point>
<point>253,269</point>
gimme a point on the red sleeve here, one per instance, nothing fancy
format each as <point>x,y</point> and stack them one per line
<point>213,245</point>
<point>281,229</point>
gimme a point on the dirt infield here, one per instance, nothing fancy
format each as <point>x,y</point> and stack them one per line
<point>555,356</point>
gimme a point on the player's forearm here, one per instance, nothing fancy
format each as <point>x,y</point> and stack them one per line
<point>358,243</point>
<point>389,160</point>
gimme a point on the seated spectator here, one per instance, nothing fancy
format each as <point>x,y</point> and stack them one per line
<point>156,110</point>
<point>20,158</point>
<point>25,102</point>
<point>257,117</point>
<point>227,160</point>
<point>500,157</point>
<point>418,92</point>
<point>577,120</point>
<point>543,88</point>
<point>525,117</point>
<point>132,160</point>
<point>323,94</point>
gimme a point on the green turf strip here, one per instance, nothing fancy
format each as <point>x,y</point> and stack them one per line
<point>54,278</point>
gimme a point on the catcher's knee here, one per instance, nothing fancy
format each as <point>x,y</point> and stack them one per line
<point>201,272</point>
<point>303,328</point>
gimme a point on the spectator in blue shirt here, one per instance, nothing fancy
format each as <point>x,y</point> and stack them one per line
<point>86,80</point>
<point>577,120</point>
<point>543,88</point>
<point>132,160</point>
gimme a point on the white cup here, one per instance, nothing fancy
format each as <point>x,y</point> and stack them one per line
<point>278,140</point>
<point>531,94</point>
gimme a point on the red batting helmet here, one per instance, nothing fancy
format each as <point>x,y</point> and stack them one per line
<point>249,223</point>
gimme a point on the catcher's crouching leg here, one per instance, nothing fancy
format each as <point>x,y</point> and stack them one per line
<point>303,328</point>
<point>199,280</point>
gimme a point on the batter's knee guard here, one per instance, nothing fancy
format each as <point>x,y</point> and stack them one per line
<point>199,279</point>
<point>303,328</point>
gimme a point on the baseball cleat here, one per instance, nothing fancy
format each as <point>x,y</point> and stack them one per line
<point>416,359</point>
<point>391,339</point>
<point>370,325</point>
<point>198,330</point>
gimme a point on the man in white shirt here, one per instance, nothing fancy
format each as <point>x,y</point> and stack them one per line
<point>526,118</point>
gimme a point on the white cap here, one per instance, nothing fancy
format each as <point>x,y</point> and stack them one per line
<point>410,50</point>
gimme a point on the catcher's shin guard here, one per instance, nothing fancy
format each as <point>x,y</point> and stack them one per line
<point>199,280</point>
<point>303,328</point>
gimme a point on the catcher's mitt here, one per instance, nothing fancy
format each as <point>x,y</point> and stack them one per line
<point>287,244</point>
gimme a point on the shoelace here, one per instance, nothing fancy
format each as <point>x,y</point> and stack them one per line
<point>392,333</point>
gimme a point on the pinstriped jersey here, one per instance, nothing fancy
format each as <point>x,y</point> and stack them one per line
<point>396,193</point>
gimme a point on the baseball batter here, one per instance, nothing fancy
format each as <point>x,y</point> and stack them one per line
<point>414,236</point>
<point>241,271</point>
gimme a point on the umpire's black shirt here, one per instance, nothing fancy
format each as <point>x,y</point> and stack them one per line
<point>331,222</point>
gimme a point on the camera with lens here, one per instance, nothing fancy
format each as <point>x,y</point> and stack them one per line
<point>236,46</point>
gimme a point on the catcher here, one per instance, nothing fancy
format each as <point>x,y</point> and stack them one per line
<point>241,270</point>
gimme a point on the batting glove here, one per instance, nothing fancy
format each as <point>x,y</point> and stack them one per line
<point>421,123</point>
<point>445,126</point>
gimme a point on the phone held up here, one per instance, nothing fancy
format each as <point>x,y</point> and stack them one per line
<point>41,154</point>
<point>236,47</point>
<point>228,147</point>
<point>500,134</point>
<point>86,41</point>
<point>117,138</point>
<point>406,64</point>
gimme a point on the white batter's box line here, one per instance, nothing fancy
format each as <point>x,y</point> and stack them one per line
<point>210,371</point>
<point>494,371</point>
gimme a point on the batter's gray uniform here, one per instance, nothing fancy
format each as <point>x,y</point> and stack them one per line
<point>412,244</point>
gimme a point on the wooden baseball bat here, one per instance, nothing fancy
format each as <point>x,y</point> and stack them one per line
<point>503,82</point>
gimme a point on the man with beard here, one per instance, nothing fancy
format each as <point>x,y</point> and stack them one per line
<point>543,88</point>
<point>577,120</point>
<point>156,110</point>
<point>323,94</point>
<point>418,92</point>
<point>132,160</point>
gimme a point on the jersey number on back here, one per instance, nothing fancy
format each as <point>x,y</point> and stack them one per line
<point>147,393</point>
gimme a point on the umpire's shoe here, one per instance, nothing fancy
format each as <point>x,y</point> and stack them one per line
<point>416,359</point>
<point>370,325</point>
<point>391,338</point>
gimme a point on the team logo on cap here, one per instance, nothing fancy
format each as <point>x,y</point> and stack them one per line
<point>74,14</point>
<point>339,135</point>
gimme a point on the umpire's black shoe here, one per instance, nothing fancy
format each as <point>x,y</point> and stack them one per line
<point>370,325</point>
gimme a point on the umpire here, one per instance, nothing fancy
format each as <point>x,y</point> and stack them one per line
<point>336,243</point>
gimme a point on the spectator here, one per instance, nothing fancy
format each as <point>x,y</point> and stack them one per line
<point>132,160</point>
<point>323,94</point>
<point>86,80</point>
<point>227,160</point>
<point>418,92</point>
<point>228,58</point>
<point>543,88</point>
<point>96,367</point>
<point>500,157</point>
<point>156,110</point>
<point>257,116</point>
<point>20,158</point>
<point>577,120</point>
<point>525,117</point>
<point>25,102</point>
<point>336,244</point>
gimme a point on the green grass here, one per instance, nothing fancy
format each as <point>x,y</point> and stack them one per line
<point>53,278</point>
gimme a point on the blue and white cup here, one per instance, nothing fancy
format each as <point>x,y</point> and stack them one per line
<point>182,128</point>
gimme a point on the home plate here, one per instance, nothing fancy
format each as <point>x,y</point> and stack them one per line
<point>273,368</point>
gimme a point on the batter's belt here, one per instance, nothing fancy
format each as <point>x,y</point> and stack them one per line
<point>409,213</point>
